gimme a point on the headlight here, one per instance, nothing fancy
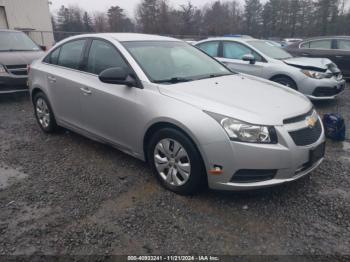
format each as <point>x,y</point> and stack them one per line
<point>2,69</point>
<point>315,74</point>
<point>244,132</point>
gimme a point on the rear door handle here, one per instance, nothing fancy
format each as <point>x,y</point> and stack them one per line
<point>339,56</point>
<point>52,79</point>
<point>305,54</point>
<point>86,91</point>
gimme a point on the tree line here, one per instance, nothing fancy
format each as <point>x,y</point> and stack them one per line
<point>274,18</point>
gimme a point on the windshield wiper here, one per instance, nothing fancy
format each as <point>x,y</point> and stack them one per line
<point>174,80</point>
<point>215,75</point>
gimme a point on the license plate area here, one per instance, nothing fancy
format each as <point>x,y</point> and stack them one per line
<point>317,153</point>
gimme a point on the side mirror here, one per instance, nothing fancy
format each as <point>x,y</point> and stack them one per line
<point>249,58</point>
<point>117,76</point>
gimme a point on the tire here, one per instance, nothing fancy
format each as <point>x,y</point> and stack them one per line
<point>286,81</point>
<point>173,152</point>
<point>44,114</point>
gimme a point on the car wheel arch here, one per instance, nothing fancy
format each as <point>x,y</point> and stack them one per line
<point>35,91</point>
<point>155,127</point>
<point>284,76</point>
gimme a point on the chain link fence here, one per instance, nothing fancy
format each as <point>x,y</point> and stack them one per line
<point>49,38</point>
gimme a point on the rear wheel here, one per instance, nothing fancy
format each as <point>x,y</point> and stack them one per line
<point>176,161</point>
<point>286,81</point>
<point>43,113</point>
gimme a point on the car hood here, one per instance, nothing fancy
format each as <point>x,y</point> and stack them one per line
<point>247,98</point>
<point>318,64</point>
<point>20,58</point>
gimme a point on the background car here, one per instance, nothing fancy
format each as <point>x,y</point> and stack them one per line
<point>17,51</point>
<point>317,78</point>
<point>275,43</point>
<point>289,41</point>
<point>335,48</point>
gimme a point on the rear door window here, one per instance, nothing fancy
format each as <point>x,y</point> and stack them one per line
<point>103,56</point>
<point>71,54</point>
<point>211,48</point>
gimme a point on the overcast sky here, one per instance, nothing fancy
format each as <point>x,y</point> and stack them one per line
<point>128,5</point>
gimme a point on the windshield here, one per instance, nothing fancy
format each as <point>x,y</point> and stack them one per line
<point>16,41</point>
<point>270,50</point>
<point>171,62</point>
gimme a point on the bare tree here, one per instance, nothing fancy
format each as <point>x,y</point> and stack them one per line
<point>100,22</point>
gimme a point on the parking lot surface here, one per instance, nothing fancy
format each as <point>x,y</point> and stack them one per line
<point>65,194</point>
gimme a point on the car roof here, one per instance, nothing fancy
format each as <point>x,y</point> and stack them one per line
<point>235,39</point>
<point>125,37</point>
<point>291,39</point>
<point>327,37</point>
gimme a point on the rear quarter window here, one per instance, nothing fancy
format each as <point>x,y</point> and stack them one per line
<point>52,58</point>
<point>71,54</point>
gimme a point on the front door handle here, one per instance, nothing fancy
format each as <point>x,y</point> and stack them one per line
<point>339,56</point>
<point>86,91</point>
<point>51,79</point>
<point>305,54</point>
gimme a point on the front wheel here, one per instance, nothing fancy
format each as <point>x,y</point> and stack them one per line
<point>176,161</point>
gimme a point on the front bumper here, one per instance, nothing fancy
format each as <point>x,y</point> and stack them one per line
<point>13,84</point>
<point>322,89</point>
<point>286,158</point>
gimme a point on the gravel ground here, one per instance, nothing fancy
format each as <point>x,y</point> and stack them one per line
<point>65,194</point>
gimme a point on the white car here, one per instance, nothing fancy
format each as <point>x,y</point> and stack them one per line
<point>317,78</point>
<point>166,102</point>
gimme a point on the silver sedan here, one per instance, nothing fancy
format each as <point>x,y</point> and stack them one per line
<point>165,102</point>
<point>317,78</point>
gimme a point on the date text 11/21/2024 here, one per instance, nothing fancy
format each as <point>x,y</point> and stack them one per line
<point>173,258</point>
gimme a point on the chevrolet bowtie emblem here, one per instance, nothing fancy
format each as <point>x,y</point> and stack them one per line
<point>311,121</point>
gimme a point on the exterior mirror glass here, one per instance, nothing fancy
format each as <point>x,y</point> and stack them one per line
<point>118,76</point>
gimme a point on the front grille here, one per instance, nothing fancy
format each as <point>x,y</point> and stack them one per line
<point>299,118</point>
<point>307,136</point>
<point>326,91</point>
<point>253,175</point>
<point>20,70</point>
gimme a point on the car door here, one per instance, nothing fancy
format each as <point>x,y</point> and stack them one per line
<point>109,109</point>
<point>321,48</point>
<point>64,79</point>
<point>232,55</point>
<point>342,56</point>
